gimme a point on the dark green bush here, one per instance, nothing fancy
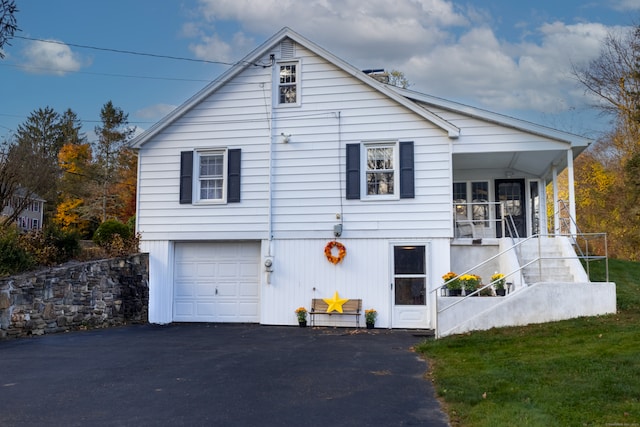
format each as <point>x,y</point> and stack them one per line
<point>13,257</point>
<point>107,231</point>
<point>67,243</point>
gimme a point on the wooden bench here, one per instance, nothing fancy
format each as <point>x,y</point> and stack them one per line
<point>352,307</point>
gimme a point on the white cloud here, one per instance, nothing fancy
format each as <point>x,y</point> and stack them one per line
<point>50,58</point>
<point>155,111</point>
<point>444,48</point>
<point>625,5</point>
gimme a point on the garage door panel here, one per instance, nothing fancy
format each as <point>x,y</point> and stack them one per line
<point>205,269</point>
<point>185,270</point>
<point>248,290</point>
<point>205,290</point>
<point>184,289</point>
<point>206,308</point>
<point>217,282</point>
<point>184,309</point>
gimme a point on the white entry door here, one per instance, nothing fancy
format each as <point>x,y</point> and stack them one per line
<point>409,286</point>
<point>217,282</point>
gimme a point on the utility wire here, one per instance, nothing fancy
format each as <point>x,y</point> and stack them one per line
<point>129,52</point>
<point>61,70</point>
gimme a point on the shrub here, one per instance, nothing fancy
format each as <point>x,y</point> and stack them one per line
<point>51,246</point>
<point>13,257</point>
<point>116,238</point>
<point>107,231</point>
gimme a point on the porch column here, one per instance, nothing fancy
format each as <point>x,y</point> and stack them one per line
<point>572,194</point>
<point>556,214</point>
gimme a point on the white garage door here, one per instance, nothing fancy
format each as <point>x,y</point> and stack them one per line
<point>217,282</point>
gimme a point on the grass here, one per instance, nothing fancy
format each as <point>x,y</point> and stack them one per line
<point>580,372</point>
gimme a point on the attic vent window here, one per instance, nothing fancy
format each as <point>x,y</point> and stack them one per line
<point>287,49</point>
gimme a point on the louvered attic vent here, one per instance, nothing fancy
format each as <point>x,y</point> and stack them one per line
<point>287,49</point>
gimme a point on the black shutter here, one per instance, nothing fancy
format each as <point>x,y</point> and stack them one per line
<point>186,176</point>
<point>407,176</point>
<point>233,176</point>
<point>353,171</point>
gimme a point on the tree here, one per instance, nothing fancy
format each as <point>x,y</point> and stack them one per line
<point>606,176</point>
<point>111,158</point>
<point>8,24</point>
<point>75,161</point>
<point>397,78</point>
<point>23,173</point>
<point>43,134</point>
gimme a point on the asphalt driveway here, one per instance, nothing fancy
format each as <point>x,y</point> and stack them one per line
<point>216,375</point>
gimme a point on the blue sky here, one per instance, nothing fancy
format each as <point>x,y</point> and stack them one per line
<point>511,57</point>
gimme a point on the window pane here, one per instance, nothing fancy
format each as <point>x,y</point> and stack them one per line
<point>211,189</point>
<point>380,183</point>
<point>211,166</point>
<point>380,158</point>
<point>479,194</point>
<point>287,94</point>
<point>409,259</point>
<point>287,74</point>
<point>410,291</point>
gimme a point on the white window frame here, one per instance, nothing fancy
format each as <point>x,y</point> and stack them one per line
<point>197,179</point>
<point>395,146</point>
<point>277,85</point>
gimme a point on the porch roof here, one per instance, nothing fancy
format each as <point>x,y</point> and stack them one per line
<point>520,164</point>
<point>536,157</point>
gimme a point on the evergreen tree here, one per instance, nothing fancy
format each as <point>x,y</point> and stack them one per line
<point>111,157</point>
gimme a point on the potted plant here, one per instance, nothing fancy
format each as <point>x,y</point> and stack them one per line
<point>470,282</point>
<point>499,282</point>
<point>452,284</point>
<point>301,312</point>
<point>370,317</point>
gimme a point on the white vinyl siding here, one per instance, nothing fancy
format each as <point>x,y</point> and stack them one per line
<point>307,181</point>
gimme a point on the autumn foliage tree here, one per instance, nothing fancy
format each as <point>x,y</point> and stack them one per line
<point>607,176</point>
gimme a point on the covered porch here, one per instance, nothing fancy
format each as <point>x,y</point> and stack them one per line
<point>503,194</point>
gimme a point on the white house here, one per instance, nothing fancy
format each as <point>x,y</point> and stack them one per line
<point>241,189</point>
<point>31,211</point>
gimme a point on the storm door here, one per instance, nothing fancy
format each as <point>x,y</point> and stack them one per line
<point>511,194</point>
<point>409,286</point>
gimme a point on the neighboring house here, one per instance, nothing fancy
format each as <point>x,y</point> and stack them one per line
<point>31,216</point>
<point>241,189</point>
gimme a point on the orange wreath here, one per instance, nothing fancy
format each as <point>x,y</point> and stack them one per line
<point>342,251</point>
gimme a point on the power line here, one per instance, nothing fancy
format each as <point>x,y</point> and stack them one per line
<point>129,52</point>
<point>130,76</point>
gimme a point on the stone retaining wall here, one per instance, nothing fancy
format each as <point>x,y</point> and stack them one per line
<point>94,294</point>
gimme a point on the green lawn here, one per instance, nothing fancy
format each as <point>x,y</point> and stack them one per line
<point>581,372</point>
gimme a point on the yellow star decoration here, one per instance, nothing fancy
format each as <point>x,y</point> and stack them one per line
<point>335,303</point>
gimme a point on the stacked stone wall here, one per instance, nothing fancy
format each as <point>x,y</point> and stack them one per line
<point>96,294</point>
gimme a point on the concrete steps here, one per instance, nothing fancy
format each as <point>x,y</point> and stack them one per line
<point>551,267</point>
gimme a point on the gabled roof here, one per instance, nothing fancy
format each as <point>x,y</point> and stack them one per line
<point>258,53</point>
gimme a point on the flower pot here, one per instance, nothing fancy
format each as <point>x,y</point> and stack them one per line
<point>501,292</point>
<point>370,325</point>
<point>455,292</point>
<point>302,323</point>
